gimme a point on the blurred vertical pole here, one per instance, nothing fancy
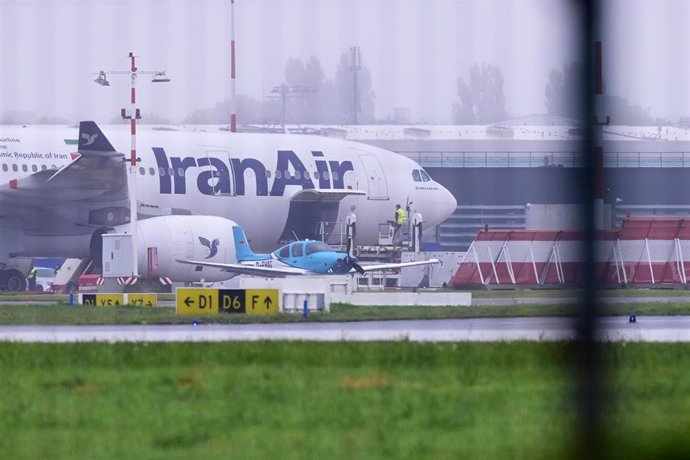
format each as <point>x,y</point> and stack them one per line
<point>588,353</point>
<point>355,66</point>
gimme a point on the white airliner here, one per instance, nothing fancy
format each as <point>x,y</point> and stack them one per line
<point>61,189</point>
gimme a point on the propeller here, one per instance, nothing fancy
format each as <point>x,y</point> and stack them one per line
<point>358,268</point>
<point>353,263</point>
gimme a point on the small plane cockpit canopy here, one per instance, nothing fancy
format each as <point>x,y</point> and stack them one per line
<point>419,175</point>
<point>302,248</point>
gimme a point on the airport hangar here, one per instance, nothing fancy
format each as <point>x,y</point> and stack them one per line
<point>535,184</point>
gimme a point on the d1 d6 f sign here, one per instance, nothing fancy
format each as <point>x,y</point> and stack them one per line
<point>213,301</point>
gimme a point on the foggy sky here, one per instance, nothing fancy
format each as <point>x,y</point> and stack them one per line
<point>415,50</point>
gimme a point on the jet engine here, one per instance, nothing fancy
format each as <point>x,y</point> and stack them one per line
<point>161,240</point>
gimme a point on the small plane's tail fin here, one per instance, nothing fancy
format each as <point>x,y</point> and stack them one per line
<point>242,249</point>
<point>92,139</point>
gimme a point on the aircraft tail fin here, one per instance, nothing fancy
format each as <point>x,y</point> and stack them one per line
<point>92,139</point>
<point>242,249</point>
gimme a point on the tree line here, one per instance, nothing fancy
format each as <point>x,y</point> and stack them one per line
<point>481,99</point>
<point>311,97</point>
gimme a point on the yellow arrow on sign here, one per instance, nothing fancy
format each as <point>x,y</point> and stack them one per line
<point>194,301</point>
<point>110,300</point>
<point>142,300</point>
<point>262,301</point>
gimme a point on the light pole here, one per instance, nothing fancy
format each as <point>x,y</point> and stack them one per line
<point>159,76</point>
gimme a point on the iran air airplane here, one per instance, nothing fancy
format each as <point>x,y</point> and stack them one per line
<point>61,189</point>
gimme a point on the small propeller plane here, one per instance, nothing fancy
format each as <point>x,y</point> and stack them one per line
<point>304,257</point>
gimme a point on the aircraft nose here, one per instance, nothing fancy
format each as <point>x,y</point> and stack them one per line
<point>446,204</point>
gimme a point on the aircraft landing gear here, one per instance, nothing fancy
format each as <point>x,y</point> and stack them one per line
<point>12,281</point>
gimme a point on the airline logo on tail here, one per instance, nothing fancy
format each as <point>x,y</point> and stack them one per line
<point>89,138</point>
<point>217,176</point>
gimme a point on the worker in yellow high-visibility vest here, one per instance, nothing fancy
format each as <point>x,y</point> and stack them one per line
<point>31,278</point>
<point>400,220</point>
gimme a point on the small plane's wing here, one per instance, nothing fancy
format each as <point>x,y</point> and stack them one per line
<point>239,269</point>
<point>382,267</point>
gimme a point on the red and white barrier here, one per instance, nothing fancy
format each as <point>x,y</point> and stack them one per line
<point>522,257</point>
<point>651,251</point>
<point>644,251</point>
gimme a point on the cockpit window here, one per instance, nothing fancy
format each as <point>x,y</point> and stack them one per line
<point>425,176</point>
<point>317,246</point>
<point>416,176</point>
<point>297,250</point>
<point>284,252</point>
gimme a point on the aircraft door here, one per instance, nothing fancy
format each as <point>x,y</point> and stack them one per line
<point>376,178</point>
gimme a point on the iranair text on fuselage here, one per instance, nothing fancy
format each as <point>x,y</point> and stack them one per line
<point>227,175</point>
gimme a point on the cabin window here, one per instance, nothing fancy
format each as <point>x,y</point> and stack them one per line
<point>316,246</point>
<point>325,175</point>
<point>416,176</point>
<point>297,175</point>
<point>25,168</point>
<point>53,167</point>
<point>171,172</point>
<point>288,175</point>
<point>34,168</point>
<point>152,172</point>
<point>284,252</point>
<point>142,171</point>
<point>180,172</point>
<point>161,171</point>
<point>4,167</point>
<point>43,167</point>
<point>335,175</point>
<point>425,176</point>
<point>297,250</point>
<point>306,174</point>
<point>268,174</point>
<point>278,175</point>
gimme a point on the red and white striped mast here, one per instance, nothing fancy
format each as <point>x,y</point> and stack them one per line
<point>133,206</point>
<point>233,97</point>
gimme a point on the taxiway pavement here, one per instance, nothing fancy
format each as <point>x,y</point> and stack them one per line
<point>650,329</point>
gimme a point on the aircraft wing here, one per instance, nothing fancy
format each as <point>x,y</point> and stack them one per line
<point>239,269</point>
<point>383,267</point>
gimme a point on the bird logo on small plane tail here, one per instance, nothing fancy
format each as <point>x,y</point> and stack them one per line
<point>212,246</point>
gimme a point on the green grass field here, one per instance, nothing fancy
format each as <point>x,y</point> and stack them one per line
<point>332,400</point>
